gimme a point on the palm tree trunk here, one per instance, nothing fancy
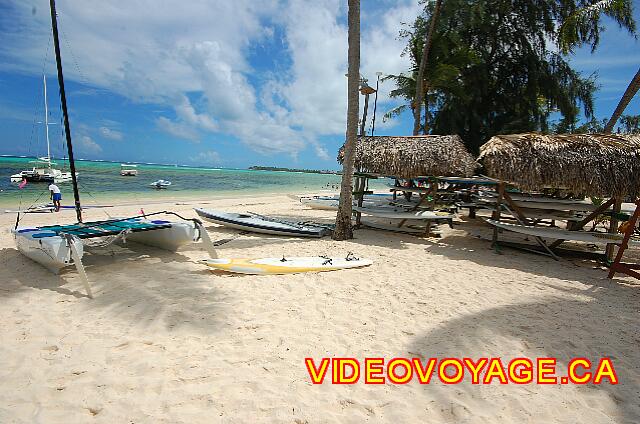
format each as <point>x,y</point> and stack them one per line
<point>421,70</point>
<point>343,230</point>
<point>425,127</point>
<point>631,91</point>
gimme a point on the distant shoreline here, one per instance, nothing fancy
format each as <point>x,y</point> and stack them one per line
<point>305,171</point>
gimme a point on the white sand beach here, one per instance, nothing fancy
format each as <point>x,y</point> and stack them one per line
<point>165,340</point>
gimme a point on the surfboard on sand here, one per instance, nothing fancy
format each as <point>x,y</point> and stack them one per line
<point>403,214</point>
<point>292,265</point>
<point>560,234</point>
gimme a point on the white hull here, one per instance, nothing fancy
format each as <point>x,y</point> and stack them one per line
<point>51,252</point>
<point>54,253</point>
<point>560,234</point>
<point>180,234</point>
<point>394,214</point>
<point>256,224</point>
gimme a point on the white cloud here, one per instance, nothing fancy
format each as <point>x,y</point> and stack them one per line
<point>177,129</point>
<point>87,145</point>
<point>110,134</point>
<point>209,157</point>
<point>194,58</point>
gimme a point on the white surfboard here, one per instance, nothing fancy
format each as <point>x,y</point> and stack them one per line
<point>560,234</point>
<point>293,265</point>
<point>403,214</point>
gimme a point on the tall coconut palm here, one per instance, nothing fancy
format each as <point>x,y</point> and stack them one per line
<point>629,93</point>
<point>578,28</point>
<point>417,110</point>
<point>343,230</point>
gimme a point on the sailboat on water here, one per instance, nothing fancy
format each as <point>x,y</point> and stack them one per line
<point>60,246</point>
<point>43,170</point>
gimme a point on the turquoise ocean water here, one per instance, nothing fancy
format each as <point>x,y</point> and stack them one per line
<point>101,183</point>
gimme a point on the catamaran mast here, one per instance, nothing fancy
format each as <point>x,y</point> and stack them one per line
<point>46,119</point>
<point>63,100</point>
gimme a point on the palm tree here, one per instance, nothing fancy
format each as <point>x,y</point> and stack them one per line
<point>577,28</point>
<point>420,88</point>
<point>629,93</point>
<point>343,230</point>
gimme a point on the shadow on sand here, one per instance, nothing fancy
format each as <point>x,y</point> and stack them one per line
<point>136,283</point>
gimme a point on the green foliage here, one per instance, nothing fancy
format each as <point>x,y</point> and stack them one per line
<point>628,124</point>
<point>583,24</point>
<point>494,68</point>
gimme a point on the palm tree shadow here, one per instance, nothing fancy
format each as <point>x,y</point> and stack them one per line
<point>604,325</point>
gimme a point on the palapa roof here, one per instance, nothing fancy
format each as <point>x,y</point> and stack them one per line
<point>587,164</point>
<point>412,156</point>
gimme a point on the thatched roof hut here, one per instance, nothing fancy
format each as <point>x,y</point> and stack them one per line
<point>588,164</point>
<point>412,156</point>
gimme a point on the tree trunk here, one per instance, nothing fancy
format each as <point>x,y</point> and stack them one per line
<point>343,230</point>
<point>425,127</point>
<point>631,91</point>
<point>421,70</point>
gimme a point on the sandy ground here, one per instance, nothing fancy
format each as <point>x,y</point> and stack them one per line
<point>167,341</point>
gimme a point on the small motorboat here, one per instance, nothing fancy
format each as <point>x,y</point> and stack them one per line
<point>262,224</point>
<point>160,184</point>
<point>127,170</point>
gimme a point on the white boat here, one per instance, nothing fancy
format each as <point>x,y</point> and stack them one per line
<point>261,224</point>
<point>43,170</point>
<point>284,265</point>
<point>160,184</point>
<point>330,203</point>
<point>394,213</point>
<point>560,234</point>
<point>127,170</point>
<point>50,246</point>
<point>539,202</point>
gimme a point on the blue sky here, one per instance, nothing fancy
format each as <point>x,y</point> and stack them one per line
<point>218,83</point>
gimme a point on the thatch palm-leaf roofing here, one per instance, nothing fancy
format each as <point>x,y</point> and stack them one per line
<point>588,164</point>
<point>412,156</point>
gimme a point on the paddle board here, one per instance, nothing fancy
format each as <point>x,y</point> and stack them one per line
<point>293,265</point>
<point>560,234</point>
<point>257,224</point>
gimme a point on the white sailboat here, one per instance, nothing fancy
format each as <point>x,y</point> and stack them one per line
<point>43,169</point>
<point>58,246</point>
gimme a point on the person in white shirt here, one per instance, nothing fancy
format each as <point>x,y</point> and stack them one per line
<point>56,196</point>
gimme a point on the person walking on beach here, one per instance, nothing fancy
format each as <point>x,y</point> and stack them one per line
<point>56,196</point>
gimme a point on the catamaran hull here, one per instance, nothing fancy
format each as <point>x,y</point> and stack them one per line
<point>179,234</point>
<point>53,253</point>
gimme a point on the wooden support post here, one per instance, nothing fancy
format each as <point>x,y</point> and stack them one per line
<point>613,228</point>
<point>618,265</point>
<point>522,219</point>
<point>580,224</point>
<point>359,186</point>
<point>496,213</point>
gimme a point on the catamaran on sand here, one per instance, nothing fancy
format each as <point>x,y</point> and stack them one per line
<point>58,246</point>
